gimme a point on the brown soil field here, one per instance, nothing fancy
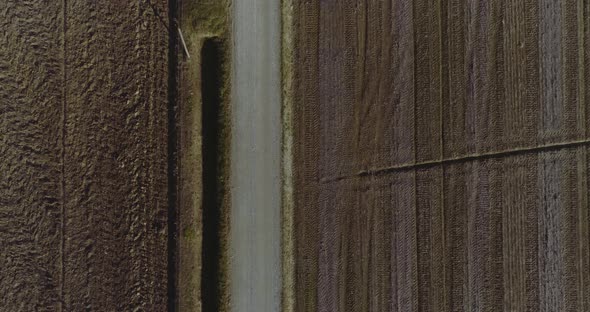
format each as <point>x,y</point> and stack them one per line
<point>440,155</point>
<point>103,142</point>
<point>435,155</point>
<point>84,157</point>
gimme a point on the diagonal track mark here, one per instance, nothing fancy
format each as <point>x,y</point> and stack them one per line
<point>460,159</point>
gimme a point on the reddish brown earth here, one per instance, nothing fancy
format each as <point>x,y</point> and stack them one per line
<point>83,149</point>
<point>441,155</point>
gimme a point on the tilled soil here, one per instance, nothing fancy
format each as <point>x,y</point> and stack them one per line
<point>441,156</point>
<point>83,149</point>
